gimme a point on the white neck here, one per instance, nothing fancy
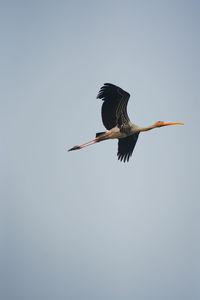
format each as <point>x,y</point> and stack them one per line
<point>146,128</point>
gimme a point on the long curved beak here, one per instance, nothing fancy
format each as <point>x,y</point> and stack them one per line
<point>172,123</point>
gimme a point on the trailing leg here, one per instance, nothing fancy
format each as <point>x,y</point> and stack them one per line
<point>99,138</point>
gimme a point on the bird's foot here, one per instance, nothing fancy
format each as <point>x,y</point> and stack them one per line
<point>75,148</point>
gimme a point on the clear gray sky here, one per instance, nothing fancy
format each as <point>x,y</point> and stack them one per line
<point>81,225</point>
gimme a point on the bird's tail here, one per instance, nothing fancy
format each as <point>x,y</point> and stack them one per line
<point>100,136</point>
<point>100,133</point>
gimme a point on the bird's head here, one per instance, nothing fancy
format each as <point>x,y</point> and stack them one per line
<point>164,123</point>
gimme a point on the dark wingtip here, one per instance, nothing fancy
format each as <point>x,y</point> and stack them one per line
<point>101,91</point>
<point>124,157</point>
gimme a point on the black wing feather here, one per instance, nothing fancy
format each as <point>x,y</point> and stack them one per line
<point>114,108</point>
<point>126,147</point>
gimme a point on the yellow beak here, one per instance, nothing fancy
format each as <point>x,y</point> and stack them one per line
<point>171,123</point>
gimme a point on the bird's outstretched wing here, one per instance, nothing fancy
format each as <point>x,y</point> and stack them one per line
<point>114,108</point>
<point>126,147</point>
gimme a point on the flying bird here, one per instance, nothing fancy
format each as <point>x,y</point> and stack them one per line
<point>116,121</point>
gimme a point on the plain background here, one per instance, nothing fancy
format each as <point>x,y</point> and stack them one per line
<point>82,225</point>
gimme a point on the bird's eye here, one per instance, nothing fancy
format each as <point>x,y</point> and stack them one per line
<point>159,123</point>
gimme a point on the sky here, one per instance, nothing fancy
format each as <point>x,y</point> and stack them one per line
<point>82,225</point>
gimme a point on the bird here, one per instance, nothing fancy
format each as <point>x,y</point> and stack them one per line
<point>116,120</point>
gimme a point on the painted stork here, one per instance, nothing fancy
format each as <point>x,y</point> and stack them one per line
<point>116,121</point>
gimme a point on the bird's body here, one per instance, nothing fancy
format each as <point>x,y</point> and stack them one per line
<point>116,121</point>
